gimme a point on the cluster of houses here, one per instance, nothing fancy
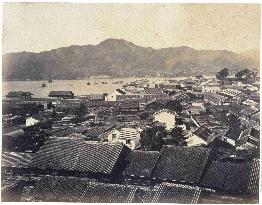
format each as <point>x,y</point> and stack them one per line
<point>89,149</point>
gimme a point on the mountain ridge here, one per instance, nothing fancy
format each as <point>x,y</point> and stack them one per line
<point>119,58</point>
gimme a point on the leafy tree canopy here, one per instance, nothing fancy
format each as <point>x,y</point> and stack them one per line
<point>152,138</point>
<point>245,75</point>
<point>178,138</point>
<point>174,105</point>
<point>222,75</point>
<point>234,125</point>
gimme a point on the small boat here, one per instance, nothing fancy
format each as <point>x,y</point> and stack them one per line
<point>43,85</point>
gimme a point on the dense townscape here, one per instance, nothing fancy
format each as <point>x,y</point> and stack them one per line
<point>194,140</point>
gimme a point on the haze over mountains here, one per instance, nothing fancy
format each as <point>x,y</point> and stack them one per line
<point>120,58</point>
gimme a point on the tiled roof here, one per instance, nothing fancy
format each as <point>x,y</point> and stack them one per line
<point>141,163</point>
<point>129,104</point>
<point>100,103</point>
<point>176,193</point>
<point>253,181</point>
<point>234,177</point>
<point>94,97</point>
<point>89,133</point>
<point>108,193</point>
<point>182,164</point>
<point>231,92</point>
<point>69,189</point>
<point>60,93</point>
<point>75,136</point>
<point>160,101</point>
<point>13,133</point>
<point>16,159</point>
<point>64,132</point>
<point>7,185</point>
<point>94,132</point>
<point>77,155</point>
<point>214,95</point>
<point>18,94</point>
<point>203,132</point>
<point>128,97</point>
<point>153,91</point>
<point>146,194</point>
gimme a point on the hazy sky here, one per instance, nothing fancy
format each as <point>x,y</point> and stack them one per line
<point>38,27</point>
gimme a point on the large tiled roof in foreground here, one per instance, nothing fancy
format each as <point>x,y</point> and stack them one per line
<point>77,155</point>
<point>182,164</point>
<point>16,159</point>
<point>234,177</point>
<point>70,189</point>
<point>176,193</point>
<point>253,180</point>
<point>141,163</point>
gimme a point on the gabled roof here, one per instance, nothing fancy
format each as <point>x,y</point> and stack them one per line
<point>16,159</point>
<point>70,189</point>
<point>14,133</point>
<point>77,155</point>
<point>182,164</point>
<point>95,132</point>
<point>141,163</point>
<point>94,97</point>
<point>233,177</point>
<point>128,104</point>
<point>18,94</point>
<point>176,193</point>
<point>153,91</point>
<point>203,132</point>
<point>60,93</point>
<point>160,101</point>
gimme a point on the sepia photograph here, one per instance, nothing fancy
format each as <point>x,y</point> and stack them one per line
<point>130,102</point>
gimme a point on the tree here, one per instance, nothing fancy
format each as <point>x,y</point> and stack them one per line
<point>222,75</point>
<point>234,125</point>
<point>178,138</point>
<point>152,138</point>
<point>174,105</point>
<point>245,75</point>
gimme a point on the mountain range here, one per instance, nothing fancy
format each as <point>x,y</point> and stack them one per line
<point>120,58</point>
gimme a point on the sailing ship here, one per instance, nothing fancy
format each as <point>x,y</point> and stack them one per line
<point>49,77</point>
